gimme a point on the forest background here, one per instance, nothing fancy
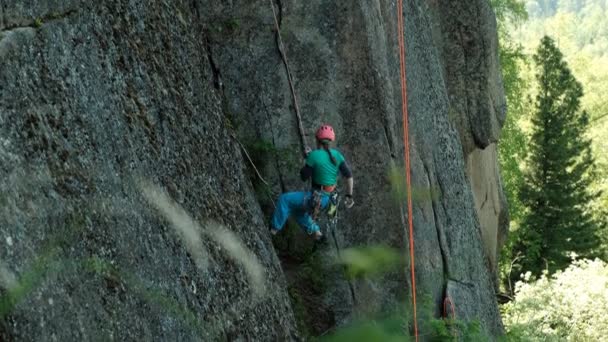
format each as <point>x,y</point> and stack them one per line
<point>565,304</point>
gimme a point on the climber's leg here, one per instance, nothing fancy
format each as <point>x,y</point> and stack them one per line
<point>287,204</point>
<point>304,218</point>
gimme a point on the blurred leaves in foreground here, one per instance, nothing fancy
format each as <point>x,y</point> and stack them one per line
<point>370,261</point>
<point>397,179</point>
<point>397,327</point>
<point>389,329</point>
<point>54,261</point>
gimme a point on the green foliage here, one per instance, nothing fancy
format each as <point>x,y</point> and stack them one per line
<point>47,263</point>
<point>232,24</point>
<point>166,303</point>
<point>38,23</point>
<point>556,189</point>
<point>28,282</point>
<point>389,329</point>
<point>263,153</point>
<point>222,29</point>
<point>396,327</point>
<point>370,261</point>
<point>299,310</point>
<point>569,305</point>
<point>512,144</point>
<point>508,11</point>
<point>51,264</point>
<point>263,194</point>
<point>307,283</point>
<point>554,11</point>
<point>313,273</point>
<point>447,328</point>
<point>456,330</point>
<point>98,265</point>
<point>582,36</point>
<point>293,242</point>
<point>396,177</point>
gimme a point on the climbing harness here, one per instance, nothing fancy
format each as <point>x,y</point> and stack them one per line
<point>314,202</point>
<point>332,209</point>
<point>333,225</point>
<point>406,151</point>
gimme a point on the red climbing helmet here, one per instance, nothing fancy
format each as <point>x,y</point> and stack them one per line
<point>326,132</point>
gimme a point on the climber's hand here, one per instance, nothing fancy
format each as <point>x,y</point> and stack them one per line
<point>307,150</point>
<point>349,201</point>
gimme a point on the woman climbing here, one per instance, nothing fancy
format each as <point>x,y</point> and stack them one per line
<point>323,166</point>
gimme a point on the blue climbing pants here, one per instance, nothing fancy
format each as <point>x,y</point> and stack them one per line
<point>297,204</point>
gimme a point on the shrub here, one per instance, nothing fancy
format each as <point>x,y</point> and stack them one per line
<point>568,305</point>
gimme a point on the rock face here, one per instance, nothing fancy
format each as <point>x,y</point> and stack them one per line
<point>96,96</point>
<point>345,63</point>
<point>477,107</point>
<point>93,98</point>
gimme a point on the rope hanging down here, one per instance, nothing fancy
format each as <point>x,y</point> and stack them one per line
<point>406,144</point>
<point>289,79</point>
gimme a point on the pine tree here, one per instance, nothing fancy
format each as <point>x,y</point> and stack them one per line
<point>556,190</point>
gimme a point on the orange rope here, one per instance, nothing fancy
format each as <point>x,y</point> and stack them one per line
<point>406,144</point>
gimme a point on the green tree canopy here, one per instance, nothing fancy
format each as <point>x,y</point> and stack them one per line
<point>556,188</point>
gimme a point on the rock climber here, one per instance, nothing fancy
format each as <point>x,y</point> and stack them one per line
<point>322,167</point>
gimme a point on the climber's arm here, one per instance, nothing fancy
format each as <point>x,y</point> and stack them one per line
<point>349,186</point>
<point>348,174</point>
<point>306,172</point>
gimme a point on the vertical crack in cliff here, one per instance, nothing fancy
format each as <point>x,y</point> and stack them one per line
<point>277,37</point>
<point>281,53</point>
<point>290,79</point>
<point>440,238</point>
<point>3,16</point>
<point>479,136</point>
<point>389,141</point>
<point>275,154</point>
<point>196,10</point>
<point>217,75</point>
<point>482,65</point>
<point>280,12</point>
<point>215,70</point>
<point>351,287</point>
<point>467,100</point>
